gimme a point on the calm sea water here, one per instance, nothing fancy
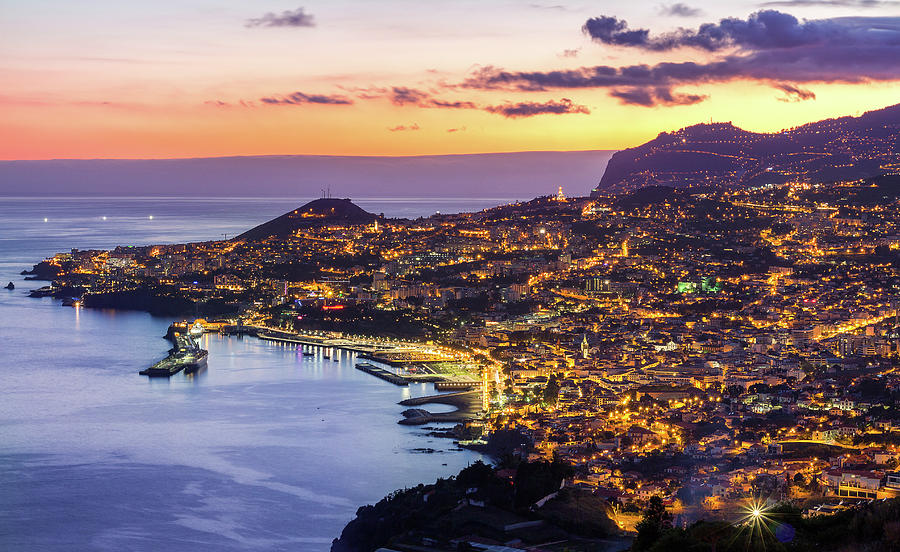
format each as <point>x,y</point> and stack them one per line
<point>265,450</point>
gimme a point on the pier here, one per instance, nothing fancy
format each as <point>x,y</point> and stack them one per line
<point>382,373</point>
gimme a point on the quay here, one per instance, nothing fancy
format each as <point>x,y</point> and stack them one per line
<point>268,334</point>
<point>458,385</point>
<point>382,373</point>
<point>403,357</point>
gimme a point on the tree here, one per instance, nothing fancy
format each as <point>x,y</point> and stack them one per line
<point>653,525</point>
<point>551,390</point>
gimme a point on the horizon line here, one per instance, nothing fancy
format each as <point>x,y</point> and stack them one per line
<point>282,155</point>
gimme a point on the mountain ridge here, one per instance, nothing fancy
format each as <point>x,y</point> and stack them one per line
<point>721,154</point>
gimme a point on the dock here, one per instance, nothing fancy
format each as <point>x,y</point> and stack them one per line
<point>379,372</point>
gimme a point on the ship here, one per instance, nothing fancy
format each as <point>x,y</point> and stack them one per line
<point>195,361</point>
<point>196,330</point>
<point>186,355</point>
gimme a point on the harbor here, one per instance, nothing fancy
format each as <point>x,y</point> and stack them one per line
<point>401,363</point>
<point>412,362</point>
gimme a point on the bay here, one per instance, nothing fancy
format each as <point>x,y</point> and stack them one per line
<point>265,450</point>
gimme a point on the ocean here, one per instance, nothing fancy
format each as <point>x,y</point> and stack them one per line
<point>267,449</point>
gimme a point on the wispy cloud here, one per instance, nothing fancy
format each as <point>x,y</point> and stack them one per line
<point>794,93</point>
<point>458,129</point>
<point>401,95</point>
<point>404,96</point>
<point>298,98</point>
<point>652,97</point>
<point>553,7</point>
<point>404,128</point>
<point>530,109</point>
<point>679,10</point>
<point>287,18</point>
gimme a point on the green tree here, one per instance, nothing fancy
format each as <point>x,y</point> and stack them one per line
<point>653,525</point>
<point>551,390</point>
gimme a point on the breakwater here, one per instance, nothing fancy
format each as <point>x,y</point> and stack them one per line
<point>382,373</point>
<point>467,403</point>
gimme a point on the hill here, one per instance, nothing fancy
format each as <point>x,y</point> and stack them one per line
<point>721,154</point>
<point>316,212</point>
<point>481,505</point>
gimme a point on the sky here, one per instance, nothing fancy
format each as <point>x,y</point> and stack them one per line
<point>198,78</point>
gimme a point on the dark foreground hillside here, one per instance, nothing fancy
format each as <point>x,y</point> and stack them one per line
<point>525,509</point>
<point>485,506</point>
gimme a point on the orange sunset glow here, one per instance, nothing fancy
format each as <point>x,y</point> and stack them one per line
<point>192,79</point>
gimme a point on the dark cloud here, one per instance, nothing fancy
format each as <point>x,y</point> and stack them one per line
<point>794,93</point>
<point>402,128</point>
<point>763,30</point>
<point>450,105</point>
<point>287,18</point>
<point>679,10</point>
<point>611,30</point>
<point>652,97</point>
<point>298,98</point>
<point>401,95</point>
<point>858,50</point>
<point>530,109</point>
<point>601,76</point>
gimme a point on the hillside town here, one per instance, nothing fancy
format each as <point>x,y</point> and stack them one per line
<point>702,346</point>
